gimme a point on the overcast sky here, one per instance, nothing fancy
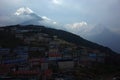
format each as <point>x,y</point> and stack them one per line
<point>106,12</point>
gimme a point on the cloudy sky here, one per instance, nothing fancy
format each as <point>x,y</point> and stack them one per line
<point>69,11</point>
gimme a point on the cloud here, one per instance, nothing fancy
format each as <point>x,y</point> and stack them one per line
<point>77,25</point>
<point>79,28</point>
<point>50,21</point>
<point>46,18</point>
<point>55,1</point>
<point>54,22</point>
<point>58,2</point>
<point>23,11</point>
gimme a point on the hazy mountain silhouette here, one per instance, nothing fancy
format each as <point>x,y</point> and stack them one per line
<point>105,37</point>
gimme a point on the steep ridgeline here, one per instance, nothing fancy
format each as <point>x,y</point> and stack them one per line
<point>67,36</point>
<point>72,38</point>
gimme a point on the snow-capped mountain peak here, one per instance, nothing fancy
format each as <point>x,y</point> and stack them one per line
<point>23,11</point>
<point>25,16</point>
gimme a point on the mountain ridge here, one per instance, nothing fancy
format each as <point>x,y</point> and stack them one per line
<point>106,38</point>
<point>67,36</point>
<point>25,16</point>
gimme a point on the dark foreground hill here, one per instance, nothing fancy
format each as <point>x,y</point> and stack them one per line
<point>8,38</point>
<point>72,38</point>
<point>18,36</point>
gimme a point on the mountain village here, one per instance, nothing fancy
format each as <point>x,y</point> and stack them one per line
<point>42,56</point>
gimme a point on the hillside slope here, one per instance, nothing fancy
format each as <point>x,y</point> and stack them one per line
<point>67,36</point>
